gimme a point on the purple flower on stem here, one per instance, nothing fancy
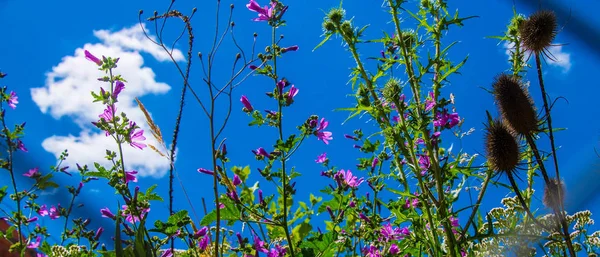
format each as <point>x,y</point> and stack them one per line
<point>424,163</point>
<point>136,136</point>
<point>246,103</point>
<point>253,67</point>
<point>33,219</point>
<point>236,180</point>
<point>43,211</point>
<point>32,173</point>
<point>34,245</point>
<point>264,13</point>
<point>323,135</point>
<point>290,48</point>
<point>291,94</point>
<point>321,158</point>
<point>350,137</point>
<point>201,232</point>
<point>98,233</point>
<point>13,100</point>
<point>108,114</point>
<point>129,217</point>
<point>119,86</point>
<point>430,102</point>
<point>106,213</point>
<point>446,120</point>
<point>203,243</point>
<point>21,146</point>
<point>260,197</point>
<point>259,245</point>
<point>130,176</point>
<point>53,212</point>
<point>205,171</point>
<point>262,152</point>
<point>374,163</point>
<point>394,249</point>
<point>92,58</point>
<point>348,179</point>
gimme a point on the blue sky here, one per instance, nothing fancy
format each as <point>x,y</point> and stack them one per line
<point>42,51</point>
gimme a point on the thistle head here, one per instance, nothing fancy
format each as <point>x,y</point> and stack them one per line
<point>538,31</point>
<point>554,194</point>
<point>515,104</point>
<point>501,147</point>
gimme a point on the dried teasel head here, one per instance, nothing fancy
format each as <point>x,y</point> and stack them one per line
<point>554,194</point>
<point>538,31</point>
<point>515,104</point>
<point>501,147</point>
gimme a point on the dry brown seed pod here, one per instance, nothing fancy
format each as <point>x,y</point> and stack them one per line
<point>501,147</point>
<point>515,104</point>
<point>554,194</point>
<point>538,31</point>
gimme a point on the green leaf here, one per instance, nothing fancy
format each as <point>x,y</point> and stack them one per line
<point>118,243</point>
<point>230,213</point>
<point>323,42</point>
<point>301,230</point>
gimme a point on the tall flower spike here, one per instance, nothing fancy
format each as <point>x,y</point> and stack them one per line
<point>501,148</point>
<point>538,31</point>
<point>515,104</point>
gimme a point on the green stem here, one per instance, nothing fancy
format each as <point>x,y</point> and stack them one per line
<point>11,149</point>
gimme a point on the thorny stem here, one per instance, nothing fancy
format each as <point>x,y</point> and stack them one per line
<point>560,208</point>
<point>283,159</point>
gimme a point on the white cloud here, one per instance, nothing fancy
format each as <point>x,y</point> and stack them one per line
<point>560,58</point>
<point>66,93</point>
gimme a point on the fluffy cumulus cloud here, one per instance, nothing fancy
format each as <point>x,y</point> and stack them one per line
<point>66,93</point>
<point>560,58</point>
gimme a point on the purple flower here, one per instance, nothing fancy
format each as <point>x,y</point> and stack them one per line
<point>201,232</point>
<point>53,212</point>
<point>130,176</point>
<point>136,136</point>
<point>119,86</point>
<point>289,48</point>
<point>98,233</point>
<point>364,217</point>
<point>348,179</point>
<point>260,197</point>
<point>264,13</point>
<point>108,114</point>
<point>233,195</point>
<point>374,163</point>
<point>34,245</point>
<point>21,146</point>
<point>167,253</point>
<point>43,211</point>
<point>246,103</point>
<point>33,219</point>
<point>205,171</point>
<point>106,213</point>
<point>236,180</point>
<point>411,203</point>
<point>350,137</point>
<point>321,158</point>
<point>430,102</point>
<point>13,100</point>
<point>278,251</point>
<point>92,58</point>
<point>424,163</point>
<point>291,94</point>
<point>323,135</point>
<point>262,152</point>
<point>259,245</point>
<point>446,120</point>
<point>253,67</point>
<point>129,217</point>
<point>352,204</point>
<point>32,173</point>
<point>394,249</point>
<point>203,243</point>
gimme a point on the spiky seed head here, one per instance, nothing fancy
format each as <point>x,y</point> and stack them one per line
<point>515,104</point>
<point>501,147</point>
<point>554,194</point>
<point>538,31</point>
<point>391,90</point>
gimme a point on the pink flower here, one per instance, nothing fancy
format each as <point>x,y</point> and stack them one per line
<point>32,173</point>
<point>13,100</point>
<point>21,146</point>
<point>130,176</point>
<point>348,179</point>
<point>322,158</point>
<point>203,243</point>
<point>394,249</point>
<point>98,233</point>
<point>323,135</point>
<point>262,152</point>
<point>53,212</point>
<point>34,245</point>
<point>291,94</point>
<point>264,13</point>
<point>246,103</point>
<point>129,217</point>
<point>43,211</point>
<point>92,58</point>
<point>430,102</point>
<point>136,136</point>
<point>108,114</point>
